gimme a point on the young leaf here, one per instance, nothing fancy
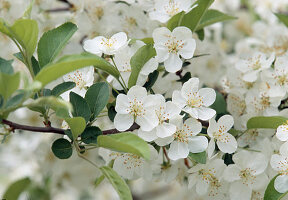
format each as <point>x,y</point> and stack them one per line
<point>6,66</point>
<point>192,19</point>
<point>198,157</point>
<point>24,31</point>
<point>283,18</point>
<point>175,20</point>
<point>77,125</point>
<point>80,106</point>
<point>117,182</point>
<point>138,60</point>
<point>9,84</point>
<point>271,193</point>
<point>90,135</point>
<point>53,41</point>
<point>61,107</point>
<point>266,122</point>
<point>71,63</point>
<point>62,148</point>
<point>212,17</point>
<point>15,189</point>
<point>62,87</point>
<point>97,98</point>
<point>125,142</point>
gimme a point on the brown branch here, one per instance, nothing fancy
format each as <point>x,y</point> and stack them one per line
<point>15,126</point>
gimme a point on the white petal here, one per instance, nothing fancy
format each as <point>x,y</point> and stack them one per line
<point>227,121</point>
<point>148,136</point>
<point>239,191</point>
<point>231,173</point>
<point>162,53</point>
<point>202,187</point>
<point>122,104</point>
<point>121,40</point>
<point>178,150</point>
<point>182,33</point>
<point>171,110</point>
<point>229,146</point>
<point>92,46</point>
<point>192,111</point>
<point>197,144</point>
<point>211,148</point>
<point>188,49</point>
<point>205,113</point>
<point>149,67</point>
<point>282,132</point>
<point>281,183</point>
<point>213,126</point>
<point>173,63</point>
<point>284,149</point>
<point>178,99</point>
<point>260,182</point>
<point>161,35</point>
<point>164,141</point>
<point>250,76</point>
<point>123,122</point>
<point>278,162</point>
<point>122,169</point>
<point>165,130</point>
<point>148,121</point>
<point>192,126</point>
<point>137,92</point>
<point>209,96</point>
<point>190,86</point>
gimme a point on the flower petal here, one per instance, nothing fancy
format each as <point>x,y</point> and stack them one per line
<point>173,63</point>
<point>122,122</point>
<point>197,144</point>
<point>178,150</point>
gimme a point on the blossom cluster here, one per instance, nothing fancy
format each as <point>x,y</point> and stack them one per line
<point>194,116</point>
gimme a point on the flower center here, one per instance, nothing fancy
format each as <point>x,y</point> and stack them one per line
<point>136,108</point>
<point>172,8</point>
<point>181,136</point>
<point>161,114</point>
<point>77,78</point>
<point>131,161</point>
<point>194,100</point>
<point>219,134</point>
<point>247,176</point>
<point>283,167</point>
<point>174,45</point>
<point>109,43</point>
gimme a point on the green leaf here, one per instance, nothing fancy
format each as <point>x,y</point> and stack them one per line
<point>25,32</point>
<point>62,148</point>
<point>15,100</point>
<point>138,60</point>
<point>220,104</point>
<point>271,193</point>
<point>117,182</point>
<point>71,63</point>
<point>35,64</point>
<point>201,34</point>
<point>97,97</point>
<point>90,135</point>
<point>9,84</point>
<point>53,41</point>
<point>283,18</point>
<point>15,189</point>
<point>212,17</point>
<point>77,125</point>
<point>192,19</point>
<point>266,122</point>
<point>198,157</point>
<point>62,87</point>
<point>6,66</point>
<point>80,106</point>
<point>175,20</point>
<point>152,78</point>
<point>148,40</point>
<point>61,107</point>
<point>125,142</point>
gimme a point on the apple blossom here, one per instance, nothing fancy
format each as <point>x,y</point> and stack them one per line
<point>195,101</point>
<point>170,46</point>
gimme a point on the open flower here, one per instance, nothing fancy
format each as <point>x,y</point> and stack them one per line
<point>110,46</point>
<point>252,66</point>
<point>194,101</point>
<point>246,174</point>
<point>280,164</point>
<point>169,46</point>
<point>83,77</point>
<point>136,106</point>
<point>164,111</point>
<point>185,139</point>
<point>218,131</point>
<point>165,9</point>
<point>282,132</point>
